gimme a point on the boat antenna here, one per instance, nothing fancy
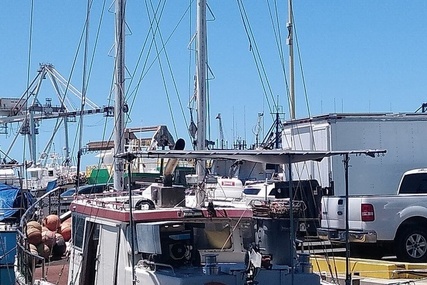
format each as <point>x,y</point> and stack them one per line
<point>119,79</point>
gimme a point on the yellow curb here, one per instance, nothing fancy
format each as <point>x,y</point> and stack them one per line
<point>368,268</point>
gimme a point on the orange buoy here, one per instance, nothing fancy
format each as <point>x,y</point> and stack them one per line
<point>43,250</point>
<point>34,224</point>
<point>52,222</point>
<point>60,247</point>
<point>34,236</point>
<point>59,238</point>
<point>65,231</point>
<point>67,221</point>
<point>49,238</point>
<point>33,249</point>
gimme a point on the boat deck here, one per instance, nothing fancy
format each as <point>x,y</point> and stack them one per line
<point>364,271</point>
<point>56,271</point>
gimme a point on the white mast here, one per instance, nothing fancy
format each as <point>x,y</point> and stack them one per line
<point>291,61</point>
<point>119,82</point>
<point>201,89</point>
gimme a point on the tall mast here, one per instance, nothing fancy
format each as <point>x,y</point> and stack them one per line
<point>201,88</point>
<point>119,82</point>
<point>291,61</point>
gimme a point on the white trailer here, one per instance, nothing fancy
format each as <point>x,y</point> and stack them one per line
<point>403,135</point>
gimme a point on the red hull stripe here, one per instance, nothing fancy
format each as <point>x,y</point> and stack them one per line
<point>157,214</point>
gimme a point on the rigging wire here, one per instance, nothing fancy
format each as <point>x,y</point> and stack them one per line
<point>147,65</point>
<point>92,63</point>
<point>84,84</point>
<point>87,73</point>
<point>30,45</point>
<point>161,67</point>
<point>257,58</point>
<point>86,78</point>
<point>302,71</point>
<point>275,21</point>
<point>191,82</point>
<point>279,46</point>
<point>209,71</point>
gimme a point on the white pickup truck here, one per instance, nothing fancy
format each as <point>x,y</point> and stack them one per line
<point>382,224</point>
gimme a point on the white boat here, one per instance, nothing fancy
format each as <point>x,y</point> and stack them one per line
<point>131,238</point>
<point>127,238</point>
<point>55,172</point>
<point>180,245</point>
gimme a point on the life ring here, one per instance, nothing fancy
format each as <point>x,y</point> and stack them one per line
<point>148,202</point>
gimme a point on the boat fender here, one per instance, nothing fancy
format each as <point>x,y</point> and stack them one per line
<point>148,202</point>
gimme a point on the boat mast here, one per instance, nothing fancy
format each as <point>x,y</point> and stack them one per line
<point>119,82</point>
<point>291,61</point>
<point>292,116</point>
<point>201,90</point>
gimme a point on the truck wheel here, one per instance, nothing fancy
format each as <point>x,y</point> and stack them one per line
<point>412,245</point>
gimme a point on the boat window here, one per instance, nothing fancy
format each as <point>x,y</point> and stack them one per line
<point>213,236</point>
<point>251,191</point>
<point>247,233</point>
<point>77,231</point>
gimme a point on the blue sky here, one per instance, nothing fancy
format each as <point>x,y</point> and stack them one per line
<point>357,56</point>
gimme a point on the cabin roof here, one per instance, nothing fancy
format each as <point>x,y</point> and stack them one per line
<point>119,212</point>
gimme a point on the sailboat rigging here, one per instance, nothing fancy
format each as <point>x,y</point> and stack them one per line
<point>153,238</point>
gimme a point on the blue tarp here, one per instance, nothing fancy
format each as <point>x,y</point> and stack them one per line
<point>51,185</point>
<point>10,201</point>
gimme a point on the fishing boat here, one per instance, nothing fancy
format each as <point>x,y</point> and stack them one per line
<point>125,237</point>
<point>128,238</point>
<point>132,239</point>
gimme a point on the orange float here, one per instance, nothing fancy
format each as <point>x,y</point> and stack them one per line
<point>49,238</point>
<point>34,236</point>
<point>33,249</point>
<point>34,224</point>
<point>52,222</point>
<point>65,230</point>
<point>43,250</point>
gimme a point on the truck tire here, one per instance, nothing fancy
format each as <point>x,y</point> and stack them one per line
<point>412,245</point>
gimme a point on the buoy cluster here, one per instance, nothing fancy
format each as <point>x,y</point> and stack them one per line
<point>48,238</point>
